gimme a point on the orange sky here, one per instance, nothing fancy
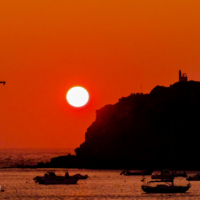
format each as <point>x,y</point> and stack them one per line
<point>110,47</point>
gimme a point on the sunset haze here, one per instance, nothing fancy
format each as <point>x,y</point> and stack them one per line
<point>111,48</point>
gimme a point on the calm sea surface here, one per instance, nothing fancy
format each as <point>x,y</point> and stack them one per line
<point>14,157</point>
<point>101,184</point>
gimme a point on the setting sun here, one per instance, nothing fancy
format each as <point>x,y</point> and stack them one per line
<point>77,96</point>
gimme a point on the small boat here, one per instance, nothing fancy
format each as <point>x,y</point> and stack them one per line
<point>141,172</point>
<point>128,173</point>
<point>79,176</point>
<point>167,174</point>
<point>48,181</point>
<point>51,178</point>
<point>166,179</point>
<point>164,186</point>
<point>194,178</point>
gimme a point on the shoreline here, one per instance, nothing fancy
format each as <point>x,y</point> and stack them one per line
<point>73,161</point>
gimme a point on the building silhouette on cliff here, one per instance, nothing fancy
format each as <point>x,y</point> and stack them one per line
<point>182,77</point>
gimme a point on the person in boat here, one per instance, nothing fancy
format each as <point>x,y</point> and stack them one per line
<point>66,174</point>
<point>49,174</point>
<point>52,174</point>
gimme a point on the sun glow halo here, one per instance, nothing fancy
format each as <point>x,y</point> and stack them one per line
<point>77,96</point>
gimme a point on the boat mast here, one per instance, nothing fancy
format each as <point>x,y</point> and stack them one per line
<point>172,151</point>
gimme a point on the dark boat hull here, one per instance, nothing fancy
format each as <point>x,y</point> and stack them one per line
<point>136,173</point>
<point>48,181</point>
<point>133,174</point>
<point>193,179</point>
<point>79,176</point>
<point>165,189</point>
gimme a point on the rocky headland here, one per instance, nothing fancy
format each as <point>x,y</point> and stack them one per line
<point>141,131</point>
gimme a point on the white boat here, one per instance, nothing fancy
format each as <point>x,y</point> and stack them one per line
<point>51,178</point>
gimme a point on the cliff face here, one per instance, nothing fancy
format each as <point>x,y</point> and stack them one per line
<point>159,125</point>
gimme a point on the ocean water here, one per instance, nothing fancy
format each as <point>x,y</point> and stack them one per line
<point>101,185</point>
<point>15,157</point>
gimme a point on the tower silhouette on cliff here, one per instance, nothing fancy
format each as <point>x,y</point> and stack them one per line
<point>182,77</point>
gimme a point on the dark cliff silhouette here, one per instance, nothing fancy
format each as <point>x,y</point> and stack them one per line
<point>153,130</point>
<point>161,126</point>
